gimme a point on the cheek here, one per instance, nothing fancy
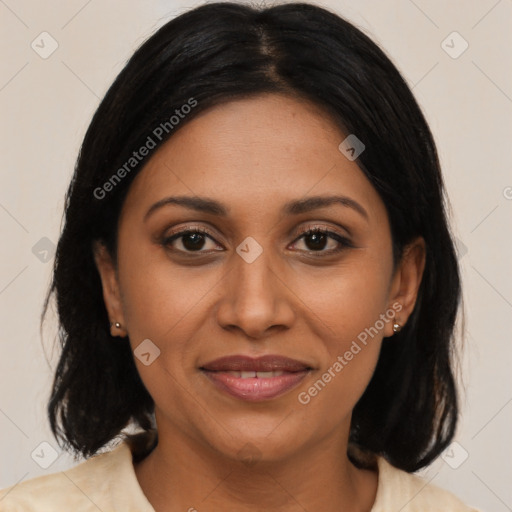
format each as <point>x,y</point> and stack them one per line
<point>336,389</point>
<point>165,305</point>
<point>159,298</point>
<point>348,299</point>
<point>351,304</point>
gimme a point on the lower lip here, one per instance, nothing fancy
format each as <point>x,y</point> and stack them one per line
<point>254,389</point>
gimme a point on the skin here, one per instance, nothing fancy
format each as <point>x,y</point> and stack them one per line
<point>253,155</point>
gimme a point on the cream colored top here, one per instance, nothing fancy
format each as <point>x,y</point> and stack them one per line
<point>107,483</point>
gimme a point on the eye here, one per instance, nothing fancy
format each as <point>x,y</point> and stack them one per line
<point>194,239</point>
<point>188,240</point>
<point>316,239</point>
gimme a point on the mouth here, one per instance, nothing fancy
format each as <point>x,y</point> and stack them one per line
<point>255,379</point>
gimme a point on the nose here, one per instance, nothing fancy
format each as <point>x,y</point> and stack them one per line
<point>255,298</point>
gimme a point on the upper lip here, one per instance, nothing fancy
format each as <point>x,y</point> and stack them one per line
<point>267,363</point>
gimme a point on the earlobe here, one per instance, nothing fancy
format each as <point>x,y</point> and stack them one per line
<point>406,282</point>
<point>110,287</point>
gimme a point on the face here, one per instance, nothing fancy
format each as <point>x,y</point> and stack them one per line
<point>263,272</point>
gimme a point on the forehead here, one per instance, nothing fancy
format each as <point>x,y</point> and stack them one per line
<point>254,155</point>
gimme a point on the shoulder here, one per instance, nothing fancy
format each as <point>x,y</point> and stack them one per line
<point>95,484</point>
<point>399,490</point>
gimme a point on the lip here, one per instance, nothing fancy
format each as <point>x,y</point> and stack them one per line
<point>225,374</point>
<point>267,363</point>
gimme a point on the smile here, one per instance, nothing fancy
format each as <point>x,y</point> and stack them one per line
<point>255,386</point>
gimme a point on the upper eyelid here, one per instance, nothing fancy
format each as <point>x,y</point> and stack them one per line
<point>208,231</point>
<point>180,232</point>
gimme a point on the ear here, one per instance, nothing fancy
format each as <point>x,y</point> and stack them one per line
<point>110,285</point>
<point>406,282</point>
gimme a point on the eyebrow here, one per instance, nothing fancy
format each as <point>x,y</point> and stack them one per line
<point>295,207</point>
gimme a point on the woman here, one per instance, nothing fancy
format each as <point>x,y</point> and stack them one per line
<point>256,272</point>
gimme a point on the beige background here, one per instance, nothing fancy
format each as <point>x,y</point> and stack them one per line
<point>46,105</point>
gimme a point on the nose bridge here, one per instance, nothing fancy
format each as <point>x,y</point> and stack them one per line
<point>254,299</point>
<point>253,275</point>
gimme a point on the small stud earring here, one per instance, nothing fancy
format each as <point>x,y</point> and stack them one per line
<point>117,325</point>
<point>397,327</point>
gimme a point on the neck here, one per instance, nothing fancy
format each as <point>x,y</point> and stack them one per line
<point>181,474</point>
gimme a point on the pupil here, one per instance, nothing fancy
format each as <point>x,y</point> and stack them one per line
<point>197,241</point>
<point>318,241</point>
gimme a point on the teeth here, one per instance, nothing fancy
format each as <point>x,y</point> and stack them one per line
<point>265,375</point>
<point>252,374</point>
<point>234,373</point>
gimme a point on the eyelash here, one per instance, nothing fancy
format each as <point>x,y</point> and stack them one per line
<point>342,241</point>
